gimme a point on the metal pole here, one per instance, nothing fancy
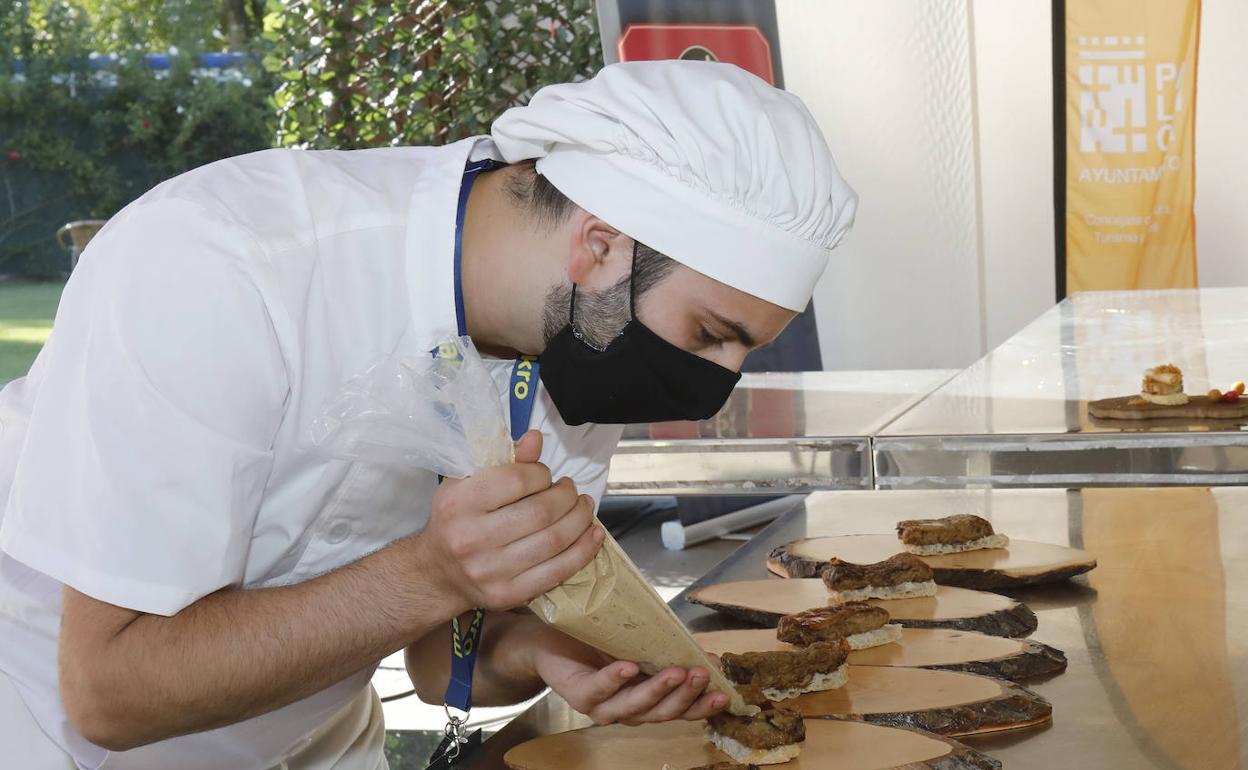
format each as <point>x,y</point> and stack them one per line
<point>677,537</point>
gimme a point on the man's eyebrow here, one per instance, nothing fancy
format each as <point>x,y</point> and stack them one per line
<point>738,329</point>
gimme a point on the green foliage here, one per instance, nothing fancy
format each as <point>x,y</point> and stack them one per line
<point>76,143</point>
<point>82,27</point>
<point>385,72</point>
<point>26,312</point>
<point>410,749</point>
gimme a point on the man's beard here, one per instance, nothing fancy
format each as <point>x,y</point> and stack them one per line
<point>600,315</point>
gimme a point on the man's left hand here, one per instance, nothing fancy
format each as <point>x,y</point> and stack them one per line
<point>610,691</point>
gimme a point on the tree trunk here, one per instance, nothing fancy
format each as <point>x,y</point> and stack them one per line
<point>238,27</point>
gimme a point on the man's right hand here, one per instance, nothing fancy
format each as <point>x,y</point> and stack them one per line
<point>506,535</point>
<point>495,540</point>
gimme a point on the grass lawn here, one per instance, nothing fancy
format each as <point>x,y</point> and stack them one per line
<point>26,311</point>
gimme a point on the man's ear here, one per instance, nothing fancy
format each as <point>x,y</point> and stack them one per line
<point>594,261</point>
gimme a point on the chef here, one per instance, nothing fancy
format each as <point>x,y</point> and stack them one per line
<point>187,582</point>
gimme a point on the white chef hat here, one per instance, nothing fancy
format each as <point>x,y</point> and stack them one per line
<point>702,161</point>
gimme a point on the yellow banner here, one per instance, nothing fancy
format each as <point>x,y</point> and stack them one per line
<point>1130,143</point>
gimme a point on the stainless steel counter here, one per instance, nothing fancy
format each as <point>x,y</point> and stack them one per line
<point>778,434</point>
<point>1018,417</point>
<point>1156,636</point>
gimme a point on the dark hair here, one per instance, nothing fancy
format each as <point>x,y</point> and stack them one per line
<point>534,193</point>
<point>602,314</point>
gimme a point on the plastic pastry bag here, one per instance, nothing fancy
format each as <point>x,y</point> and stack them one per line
<point>441,413</point>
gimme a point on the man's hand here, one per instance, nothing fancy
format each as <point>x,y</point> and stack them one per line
<point>506,535</point>
<point>495,540</point>
<point>615,691</point>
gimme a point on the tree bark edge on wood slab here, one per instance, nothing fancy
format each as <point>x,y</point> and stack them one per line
<point>784,563</point>
<point>1037,660</point>
<point>1017,709</point>
<point>1017,621</point>
<point>1198,407</point>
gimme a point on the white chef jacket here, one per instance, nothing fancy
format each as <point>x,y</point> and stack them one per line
<point>159,448</point>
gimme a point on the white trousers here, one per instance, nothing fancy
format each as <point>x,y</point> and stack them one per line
<point>22,741</point>
<point>354,741</point>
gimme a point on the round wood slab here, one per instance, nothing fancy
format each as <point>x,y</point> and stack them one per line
<point>943,702</point>
<point>829,745</point>
<point>764,602</point>
<point>1022,563</point>
<point>935,648</point>
<point>1197,408</point>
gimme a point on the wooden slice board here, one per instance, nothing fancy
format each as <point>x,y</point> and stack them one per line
<point>943,702</point>
<point>764,602</point>
<point>1022,563</point>
<point>829,745</point>
<point>934,648</point>
<point>1197,408</point>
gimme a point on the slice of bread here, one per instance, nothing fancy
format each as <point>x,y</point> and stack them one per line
<point>882,635</point>
<point>910,590</point>
<point>818,683</point>
<point>742,753</point>
<point>991,541</point>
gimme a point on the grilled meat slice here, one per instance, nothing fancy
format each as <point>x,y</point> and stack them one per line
<point>787,669</point>
<point>902,568</point>
<point>951,530</point>
<point>825,623</point>
<point>769,729</point>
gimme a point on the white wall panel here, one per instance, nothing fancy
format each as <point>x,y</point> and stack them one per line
<point>927,102</point>
<point>1014,86</point>
<point>1222,144</point>
<point>890,83</point>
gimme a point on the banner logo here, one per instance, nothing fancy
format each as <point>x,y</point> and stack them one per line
<point>1130,139</point>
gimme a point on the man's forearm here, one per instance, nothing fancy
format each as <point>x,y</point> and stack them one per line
<point>504,673</point>
<point>241,653</point>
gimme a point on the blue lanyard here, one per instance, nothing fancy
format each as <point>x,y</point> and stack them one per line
<point>465,187</point>
<point>523,385</point>
<point>522,390</point>
<point>464,643</point>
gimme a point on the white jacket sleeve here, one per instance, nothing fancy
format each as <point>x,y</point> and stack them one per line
<point>160,392</point>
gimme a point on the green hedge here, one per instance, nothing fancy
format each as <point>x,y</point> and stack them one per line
<point>76,144</point>
<point>381,72</point>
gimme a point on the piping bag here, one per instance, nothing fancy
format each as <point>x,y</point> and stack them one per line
<point>444,413</point>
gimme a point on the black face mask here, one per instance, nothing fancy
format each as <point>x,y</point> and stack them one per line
<point>639,377</point>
